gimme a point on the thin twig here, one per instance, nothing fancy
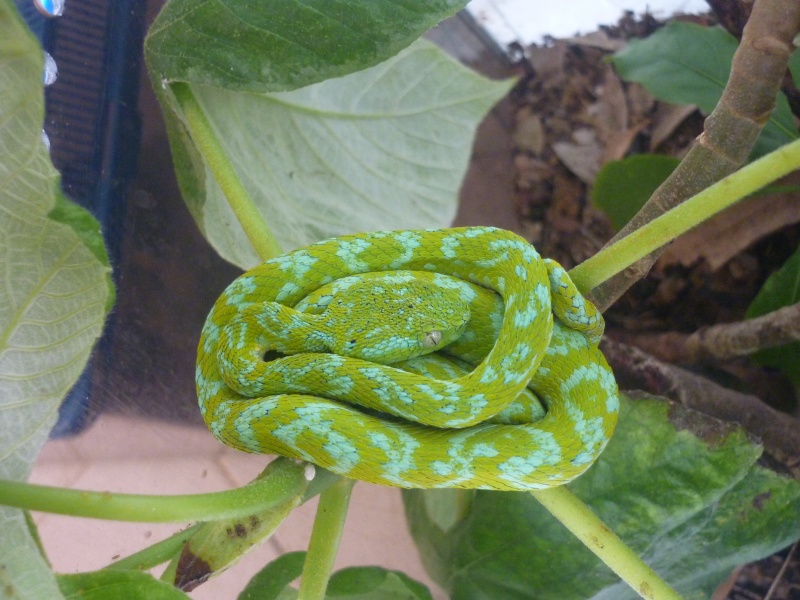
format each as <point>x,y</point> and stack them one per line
<point>779,576</point>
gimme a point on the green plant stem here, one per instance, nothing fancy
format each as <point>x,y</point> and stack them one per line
<point>213,154</point>
<point>692,212</point>
<point>170,573</point>
<point>325,536</point>
<point>589,529</point>
<point>157,553</point>
<point>281,482</point>
<point>171,547</point>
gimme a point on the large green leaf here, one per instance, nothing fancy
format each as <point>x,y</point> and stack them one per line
<point>283,44</point>
<point>794,67</point>
<point>622,187</point>
<point>117,585</point>
<point>382,148</point>
<point>781,289</point>
<point>683,490</point>
<point>53,297</point>
<point>353,583</point>
<point>375,583</point>
<point>272,582</point>
<point>684,63</point>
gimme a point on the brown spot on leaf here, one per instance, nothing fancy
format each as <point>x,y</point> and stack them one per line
<point>191,571</point>
<point>238,530</point>
<point>761,500</point>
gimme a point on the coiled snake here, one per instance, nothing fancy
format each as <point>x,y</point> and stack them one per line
<point>412,359</point>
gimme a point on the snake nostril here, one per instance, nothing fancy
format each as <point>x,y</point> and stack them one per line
<point>271,355</point>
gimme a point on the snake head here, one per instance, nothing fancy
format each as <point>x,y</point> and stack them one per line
<point>390,317</point>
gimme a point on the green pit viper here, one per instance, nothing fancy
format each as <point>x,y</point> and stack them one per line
<point>417,359</point>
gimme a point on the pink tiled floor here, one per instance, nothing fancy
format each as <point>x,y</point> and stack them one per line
<point>125,454</point>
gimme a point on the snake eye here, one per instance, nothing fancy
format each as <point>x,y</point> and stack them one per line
<point>431,339</point>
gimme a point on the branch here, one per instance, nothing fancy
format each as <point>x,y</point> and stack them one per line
<point>208,145</point>
<point>666,227</point>
<point>730,131</point>
<point>597,537</point>
<point>778,432</point>
<point>282,479</point>
<point>325,537</point>
<point>727,341</point>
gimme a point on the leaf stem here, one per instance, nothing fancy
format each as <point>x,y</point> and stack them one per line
<point>595,535</point>
<point>283,479</point>
<point>325,537</point>
<point>157,553</point>
<point>204,138</point>
<point>685,216</point>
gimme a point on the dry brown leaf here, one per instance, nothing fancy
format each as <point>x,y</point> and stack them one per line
<point>583,157</point>
<point>530,171</point>
<point>617,145</point>
<point>597,39</point>
<point>548,64</point>
<point>640,103</point>
<point>529,134</point>
<point>564,212</point>
<point>610,112</point>
<point>666,119</point>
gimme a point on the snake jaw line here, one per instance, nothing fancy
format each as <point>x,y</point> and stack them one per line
<point>362,318</point>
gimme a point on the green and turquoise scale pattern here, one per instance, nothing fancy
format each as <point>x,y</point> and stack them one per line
<point>418,359</point>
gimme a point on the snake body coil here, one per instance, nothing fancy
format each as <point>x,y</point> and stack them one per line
<point>412,359</point>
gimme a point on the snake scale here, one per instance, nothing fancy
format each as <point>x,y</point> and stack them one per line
<point>418,359</point>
